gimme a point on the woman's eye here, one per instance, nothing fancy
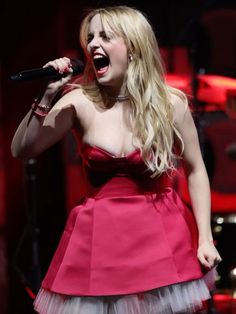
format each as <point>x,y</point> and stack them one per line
<point>89,38</point>
<point>105,36</point>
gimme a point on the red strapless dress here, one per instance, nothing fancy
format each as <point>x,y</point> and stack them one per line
<point>130,235</point>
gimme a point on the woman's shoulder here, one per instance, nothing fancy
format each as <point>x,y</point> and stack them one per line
<point>73,93</point>
<point>180,105</point>
<point>74,96</point>
<point>178,99</point>
<point>73,99</point>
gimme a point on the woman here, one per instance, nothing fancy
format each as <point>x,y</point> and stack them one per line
<point>131,246</point>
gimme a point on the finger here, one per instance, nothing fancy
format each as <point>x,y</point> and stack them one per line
<point>64,61</point>
<point>67,60</point>
<point>65,79</point>
<point>217,260</point>
<point>61,65</point>
<point>211,260</point>
<point>204,261</point>
<point>64,65</point>
<point>50,63</point>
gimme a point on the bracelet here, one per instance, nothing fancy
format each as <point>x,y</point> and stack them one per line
<point>40,110</point>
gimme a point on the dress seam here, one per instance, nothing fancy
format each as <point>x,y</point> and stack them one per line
<point>70,238</point>
<point>92,250</point>
<point>166,236</point>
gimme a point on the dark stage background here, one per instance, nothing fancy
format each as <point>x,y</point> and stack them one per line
<point>35,196</point>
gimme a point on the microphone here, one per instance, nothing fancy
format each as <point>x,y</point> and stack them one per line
<point>48,73</point>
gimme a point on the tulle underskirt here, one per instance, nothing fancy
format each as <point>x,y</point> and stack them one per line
<point>186,297</point>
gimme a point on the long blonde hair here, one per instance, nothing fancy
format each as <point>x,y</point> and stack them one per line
<point>149,94</point>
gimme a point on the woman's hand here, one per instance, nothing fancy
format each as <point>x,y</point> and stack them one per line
<point>63,66</point>
<point>208,254</point>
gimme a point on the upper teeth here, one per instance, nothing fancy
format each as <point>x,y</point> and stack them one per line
<point>97,56</point>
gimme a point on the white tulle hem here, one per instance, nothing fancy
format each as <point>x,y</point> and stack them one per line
<point>186,297</point>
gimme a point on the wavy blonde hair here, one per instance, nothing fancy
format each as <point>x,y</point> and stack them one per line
<point>149,94</point>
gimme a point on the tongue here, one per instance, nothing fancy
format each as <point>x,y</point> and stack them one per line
<point>102,70</point>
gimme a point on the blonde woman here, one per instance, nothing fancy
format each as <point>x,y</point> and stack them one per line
<point>131,247</point>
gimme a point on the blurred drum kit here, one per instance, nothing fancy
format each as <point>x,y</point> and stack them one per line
<point>216,92</point>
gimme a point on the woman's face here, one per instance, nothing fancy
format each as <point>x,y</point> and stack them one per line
<point>108,52</point>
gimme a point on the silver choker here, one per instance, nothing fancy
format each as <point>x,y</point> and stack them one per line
<point>119,98</point>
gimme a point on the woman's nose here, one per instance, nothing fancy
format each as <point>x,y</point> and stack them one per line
<point>94,43</point>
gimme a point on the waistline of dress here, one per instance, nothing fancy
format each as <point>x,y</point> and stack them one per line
<point>122,186</point>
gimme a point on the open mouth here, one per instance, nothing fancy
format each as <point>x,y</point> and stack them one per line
<point>101,63</point>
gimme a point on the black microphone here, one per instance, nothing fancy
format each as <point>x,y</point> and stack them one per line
<point>48,73</point>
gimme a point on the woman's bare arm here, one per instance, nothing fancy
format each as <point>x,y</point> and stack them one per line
<point>198,182</point>
<point>36,133</point>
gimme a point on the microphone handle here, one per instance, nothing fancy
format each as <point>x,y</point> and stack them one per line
<point>48,72</point>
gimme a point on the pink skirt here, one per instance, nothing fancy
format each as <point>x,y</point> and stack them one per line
<point>125,251</point>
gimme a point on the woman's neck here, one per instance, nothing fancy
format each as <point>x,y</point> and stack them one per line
<point>118,94</point>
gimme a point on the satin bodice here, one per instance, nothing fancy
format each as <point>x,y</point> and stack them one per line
<point>100,160</point>
<point>106,172</point>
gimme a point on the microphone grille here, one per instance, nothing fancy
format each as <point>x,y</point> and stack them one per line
<point>77,66</point>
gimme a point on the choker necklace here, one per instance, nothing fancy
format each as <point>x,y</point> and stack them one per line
<point>119,98</point>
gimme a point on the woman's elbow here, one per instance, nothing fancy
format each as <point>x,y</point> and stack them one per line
<point>22,153</point>
<point>15,151</point>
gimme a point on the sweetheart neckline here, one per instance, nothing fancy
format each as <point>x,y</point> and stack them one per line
<point>103,150</point>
